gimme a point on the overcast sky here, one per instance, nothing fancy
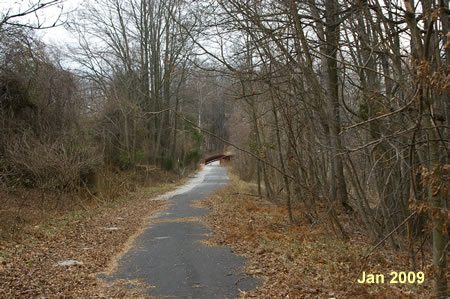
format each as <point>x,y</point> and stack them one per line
<point>57,36</point>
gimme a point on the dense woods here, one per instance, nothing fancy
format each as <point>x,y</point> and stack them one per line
<point>115,109</point>
<point>347,104</point>
<point>335,103</point>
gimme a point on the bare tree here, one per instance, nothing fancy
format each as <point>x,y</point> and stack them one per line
<point>18,18</point>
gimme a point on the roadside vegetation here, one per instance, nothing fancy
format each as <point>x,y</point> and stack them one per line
<point>303,259</point>
<point>81,130</point>
<point>84,149</point>
<point>88,240</point>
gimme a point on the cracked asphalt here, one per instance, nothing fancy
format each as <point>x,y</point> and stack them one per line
<point>169,257</point>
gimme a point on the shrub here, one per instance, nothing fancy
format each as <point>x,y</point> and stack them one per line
<point>61,164</point>
<point>192,157</point>
<point>167,164</point>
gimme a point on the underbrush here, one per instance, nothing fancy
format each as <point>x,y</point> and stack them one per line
<point>25,209</point>
<point>91,229</point>
<point>302,260</point>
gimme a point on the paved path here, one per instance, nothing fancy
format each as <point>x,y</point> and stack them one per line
<point>169,256</point>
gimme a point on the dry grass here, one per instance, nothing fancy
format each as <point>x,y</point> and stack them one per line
<point>28,265</point>
<point>24,208</point>
<point>301,261</point>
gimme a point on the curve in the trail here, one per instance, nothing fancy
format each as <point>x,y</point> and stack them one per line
<point>169,257</point>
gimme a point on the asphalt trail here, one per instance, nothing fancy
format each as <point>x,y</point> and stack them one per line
<point>169,257</point>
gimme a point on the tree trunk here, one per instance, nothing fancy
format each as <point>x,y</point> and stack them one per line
<point>283,167</point>
<point>332,38</point>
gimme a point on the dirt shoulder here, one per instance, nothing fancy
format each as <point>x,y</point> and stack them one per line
<point>89,240</point>
<point>301,261</point>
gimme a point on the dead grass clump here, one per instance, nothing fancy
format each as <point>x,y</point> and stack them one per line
<point>61,164</point>
<point>110,183</point>
<point>251,206</point>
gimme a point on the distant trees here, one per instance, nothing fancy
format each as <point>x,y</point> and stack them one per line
<point>123,109</point>
<point>138,57</point>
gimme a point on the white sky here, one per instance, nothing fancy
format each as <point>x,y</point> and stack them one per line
<point>57,36</point>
